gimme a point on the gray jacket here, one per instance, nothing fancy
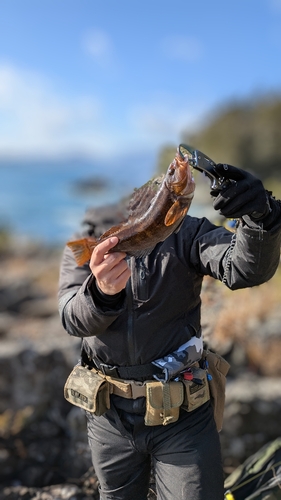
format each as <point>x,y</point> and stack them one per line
<point>160,308</point>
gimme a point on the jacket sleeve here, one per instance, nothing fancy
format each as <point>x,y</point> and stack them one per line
<point>243,259</point>
<point>81,311</point>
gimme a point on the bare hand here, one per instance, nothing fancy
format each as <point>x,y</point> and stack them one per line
<point>110,269</point>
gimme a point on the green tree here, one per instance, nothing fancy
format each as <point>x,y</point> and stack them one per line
<point>245,134</point>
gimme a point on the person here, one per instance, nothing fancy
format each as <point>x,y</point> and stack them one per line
<point>135,315</point>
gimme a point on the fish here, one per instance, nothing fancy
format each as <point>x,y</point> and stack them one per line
<point>155,211</point>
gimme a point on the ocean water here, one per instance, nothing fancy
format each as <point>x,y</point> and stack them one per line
<point>39,200</point>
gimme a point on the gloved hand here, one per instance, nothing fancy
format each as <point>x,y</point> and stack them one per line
<point>243,195</point>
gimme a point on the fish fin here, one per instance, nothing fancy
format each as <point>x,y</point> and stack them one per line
<point>112,231</point>
<point>82,249</point>
<point>176,212</point>
<point>143,253</point>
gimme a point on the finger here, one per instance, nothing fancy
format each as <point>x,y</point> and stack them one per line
<point>108,273</point>
<point>115,281</point>
<point>230,172</point>
<point>122,268</point>
<point>234,206</point>
<point>114,256</point>
<point>110,268</point>
<point>120,273</point>
<point>231,194</point>
<point>102,249</point>
<point>110,262</point>
<point>121,281</point>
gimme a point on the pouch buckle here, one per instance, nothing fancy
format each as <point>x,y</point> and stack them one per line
<point>138,389</point>
<point>111,371</point>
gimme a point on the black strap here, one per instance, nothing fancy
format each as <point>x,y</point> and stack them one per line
<point>137,372</point>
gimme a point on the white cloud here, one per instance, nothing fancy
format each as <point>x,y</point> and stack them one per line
<point>165,119</point>
<point>37,120</point>
<point>275,5</point>
<point>183,48</point>
<point>98,44</point>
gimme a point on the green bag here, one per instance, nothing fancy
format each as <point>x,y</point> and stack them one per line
<point>259,477</point>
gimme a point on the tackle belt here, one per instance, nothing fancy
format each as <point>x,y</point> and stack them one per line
<point>122,379</point>
<point>90,389</point>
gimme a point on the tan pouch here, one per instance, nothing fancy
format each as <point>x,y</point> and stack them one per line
<point>88,390</point>
<point>218,368</point>
<point>163,401</point>
<point>196,394</point>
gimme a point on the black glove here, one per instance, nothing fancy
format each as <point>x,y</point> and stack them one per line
<point>243,194</point>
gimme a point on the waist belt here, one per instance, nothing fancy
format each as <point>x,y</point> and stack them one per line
<point>136,372</point>
<point>126,389</point>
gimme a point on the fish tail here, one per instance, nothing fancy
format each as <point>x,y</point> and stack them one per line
<point>82,250</point>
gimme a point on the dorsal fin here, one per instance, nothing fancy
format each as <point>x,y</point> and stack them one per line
<point>112,231</point>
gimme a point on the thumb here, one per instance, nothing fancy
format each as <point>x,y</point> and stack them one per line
<point>103,248</point>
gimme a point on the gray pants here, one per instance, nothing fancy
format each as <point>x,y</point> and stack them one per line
<point>186,455</point>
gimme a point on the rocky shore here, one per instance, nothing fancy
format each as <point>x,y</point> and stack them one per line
<point>43,448</point>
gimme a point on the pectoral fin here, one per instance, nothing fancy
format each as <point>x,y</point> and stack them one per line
<point>176,212</point>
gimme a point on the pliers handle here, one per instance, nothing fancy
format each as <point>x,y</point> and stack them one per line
<point>204,164</point>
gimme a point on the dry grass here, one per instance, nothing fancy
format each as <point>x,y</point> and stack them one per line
<point>241,317</point>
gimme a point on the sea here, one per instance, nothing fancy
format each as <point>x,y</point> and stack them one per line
<point>45,201</point>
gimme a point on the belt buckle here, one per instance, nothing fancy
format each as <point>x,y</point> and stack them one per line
<point>138,389</point>
<point>111,371</point>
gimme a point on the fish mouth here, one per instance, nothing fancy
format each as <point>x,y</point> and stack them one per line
<point>184,185</point>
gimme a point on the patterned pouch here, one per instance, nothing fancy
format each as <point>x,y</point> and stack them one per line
<point>88,390</point>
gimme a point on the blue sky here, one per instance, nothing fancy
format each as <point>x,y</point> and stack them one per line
<point>97,77</point>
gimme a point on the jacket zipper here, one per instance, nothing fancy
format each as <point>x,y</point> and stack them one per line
<point>142,291</point>
<point>138,271</point>
<point>130,323</point>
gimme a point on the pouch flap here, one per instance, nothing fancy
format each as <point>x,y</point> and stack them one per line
<point>217,362</point>
<point>123,388</point>
<point>82,386</point>
<point>155,394</point>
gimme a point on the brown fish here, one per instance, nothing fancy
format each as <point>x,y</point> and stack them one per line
<point>156,211</point>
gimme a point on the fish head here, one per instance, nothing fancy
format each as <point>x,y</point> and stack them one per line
<point>179,179</point>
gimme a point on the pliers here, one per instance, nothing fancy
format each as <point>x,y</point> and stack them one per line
<point>204,164</point>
